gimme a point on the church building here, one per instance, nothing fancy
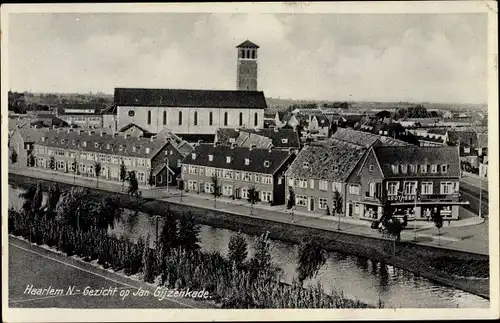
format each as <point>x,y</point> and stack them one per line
<point>197,112</point>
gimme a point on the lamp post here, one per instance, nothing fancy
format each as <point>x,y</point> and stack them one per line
<point>480,191</point>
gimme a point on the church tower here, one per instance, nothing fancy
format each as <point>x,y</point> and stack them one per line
<point>247,66</point>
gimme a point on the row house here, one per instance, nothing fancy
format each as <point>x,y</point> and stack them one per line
<point>77,152</point>
<point>85,115</point>
<point>416,181</point>
<point>237,170</point>
<point>319,170</point>
<point>284,139</point>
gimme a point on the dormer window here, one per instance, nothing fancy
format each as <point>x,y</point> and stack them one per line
<point>96,145</point>
<point>121,147</point>
<point>413,168</point>
<point>423,169</point>
<point>63,141</point>
<point>193,156</point>
<point>371,168</point>
<point>73,142</point>
<point>148,150</point>
<point>336,168</point>
<point>134,149</point>
<point>228,159</point>
<point>108,146</point>
<point>284,140</point>
<point>210,157</point>
<point>247,161</point>
<point>305,165</point>
<point>434,168</point>
<point>84,144</point>
<point>231,140</point>
<point>404,169</point>
<point>395,169</point>
<point>444,168</point>
<point>267,163</point>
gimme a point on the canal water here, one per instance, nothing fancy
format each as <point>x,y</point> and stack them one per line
<point>357,277</point>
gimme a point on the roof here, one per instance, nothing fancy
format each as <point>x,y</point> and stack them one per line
<point>464,137</point>
<point>109,110</point>
<point>414,155</point>
<point>180,144</point>
<point>280,138</point>
<point>430,139</point>
<point>364,139</point>
<point>97,107</point>
<point>74,140</point>
<point>257,158</point>
<point>31,134</point>
<point>437,131</point>
<point>130,125</point>
<point>352,117</point>
<point>190,98</point>
<point>328,161</point>
<point>322,120</point>
<point>247,44</point>
<point>269,123</point>
<point>482,139</point>
<point>246,139</point>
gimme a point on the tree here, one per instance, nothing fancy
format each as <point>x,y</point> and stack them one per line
<point>52,163</point>
<point>148,262</point>
<point>336,205</point>
<point>438,222</point>
<point>71,211</point>
<point>133,185</point>
<point>180,186</point>
<point>75,169</point>
<point>291,201</point>
<point>188,232</point>
<point>253,197</point>
<point>311,258</point>
<point>237,249</point>
<point>151,179</point>
<point>383,114</point>
<point>216,191</point>
<point>97,170</point>
<point>33,198</point>
<point>108,212</point>
<point>123,174</point>
<point>52,200</point>
<point>261,260</point>
<point>13,156</point>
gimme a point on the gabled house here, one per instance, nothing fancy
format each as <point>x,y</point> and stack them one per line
<point>416,181</point>
<point>237,169</point>
<point>22,142</point>
<point>284,139</point>
<point>135,131</point>
<point>319,124</point>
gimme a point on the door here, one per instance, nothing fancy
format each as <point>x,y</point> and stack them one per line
<point>311,204</point>
<point>349,210</point>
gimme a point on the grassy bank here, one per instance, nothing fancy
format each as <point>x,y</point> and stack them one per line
<point>426,261</point>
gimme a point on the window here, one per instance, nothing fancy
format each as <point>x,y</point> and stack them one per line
<point>180,118</point>
<point>244,193</point>
<point>372,188</point>
<point>354,189</point>
<point>195,121</point>
<point>423,169</point>
<point>444,168</point>
<point>192,185</point>
<point>404,169</point>
<point>266,196</point>
<point>413,168</point>
<point>141,162</point>
<point>210,118</point>
<point>395,169</point>
<point>371,168</point>
<point>241,118</point>
<point>227,190</point>
<point>284,140</point>
<point>336,186</point>
<point>219,173</point>
<point>323,203</point>
<point>228,159</point>
<point>237,175</point>
<point>140,176</point>
<point>193,169</point>
<point>228,174</point>
<point>210,172</point>
<point>434,168</point>
<point>247,161</point>
<point>267,179</point>
<point>427,188</point>
<point>446,188</point>
<point>291,182</point>
<point>131,113</point>
<point>225,118</point>
<point>356,208</point>
<point>210,157</point>
<point>256,178</point>
<point>209,187</point>
<point>193,156</point>
<point>179,162</point>
<point>256,119</point>
<point>323,185</point>
<point>301,200</point>
<point>302,183</point>
<point>149,116</point>
<point>311,183</point>
<point>246,177</point>
<point>305,165</point>
<point>410,188</point>
<point>466,150</point>
<point>164,117</point>
<point>231,140</point>
<point>392,188</point>
<point>184,169</point>
<point>267,163</point>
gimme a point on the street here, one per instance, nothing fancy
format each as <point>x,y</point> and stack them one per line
<point>32,268</point>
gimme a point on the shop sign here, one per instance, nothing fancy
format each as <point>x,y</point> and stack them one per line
<point>401,198</point>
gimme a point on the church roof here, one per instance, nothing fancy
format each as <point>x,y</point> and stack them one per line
<point>247,44</point>
<point>189,98</point>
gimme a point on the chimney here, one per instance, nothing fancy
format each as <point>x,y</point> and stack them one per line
<point>102,134</point>
<point>53,126</point>
<point>276,129</point>
<point>147,150</point>
<point>199,142</point>
<point>152,139</point>
<point>233,145</point>
<point>271,148</point>
<point>252,147</point>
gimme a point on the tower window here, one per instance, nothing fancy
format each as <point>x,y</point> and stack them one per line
<point>225,118</point>
<point>253,54</point>
<point>180,118</point>
<point>256,119</point>
<point>164,117</point>
<point>149,117</point>
<point>241,118</point>
<point>195,118</point>
<point>211,118</point>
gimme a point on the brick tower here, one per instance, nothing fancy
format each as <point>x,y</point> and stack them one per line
<point>247,66</point>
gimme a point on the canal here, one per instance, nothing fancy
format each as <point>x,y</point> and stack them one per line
<point>357,277</point>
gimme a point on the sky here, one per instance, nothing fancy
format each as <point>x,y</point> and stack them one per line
<point>365,57</point>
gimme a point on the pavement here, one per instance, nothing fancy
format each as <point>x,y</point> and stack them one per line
<point>469,234</point>
<point>474,180</point>
<point>32,268</point>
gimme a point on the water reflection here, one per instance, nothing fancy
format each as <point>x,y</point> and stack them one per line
<point>357,277</point>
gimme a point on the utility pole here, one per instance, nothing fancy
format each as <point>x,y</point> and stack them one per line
<point>415,216</point>
<point>480,191</point>
<point>168,173</point>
